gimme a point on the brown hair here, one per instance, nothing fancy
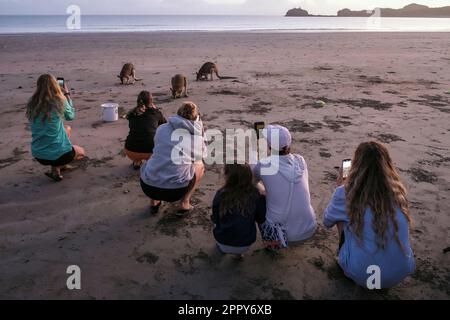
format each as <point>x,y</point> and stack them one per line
<point>189,111</point>
<point>47,98</point>
<point>144,100</point>
<point>374,182</point>
<point>239,193</point>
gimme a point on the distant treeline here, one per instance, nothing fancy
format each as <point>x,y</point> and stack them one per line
<point>410,11</point>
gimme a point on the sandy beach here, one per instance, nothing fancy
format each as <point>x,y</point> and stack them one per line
<point>394,87</point>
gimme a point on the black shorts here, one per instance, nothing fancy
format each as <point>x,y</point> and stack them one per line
<point>65,159</point>
<point>167,195</point>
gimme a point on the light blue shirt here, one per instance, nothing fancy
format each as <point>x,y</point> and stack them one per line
<point>50,140</point>
<point>356,256</point>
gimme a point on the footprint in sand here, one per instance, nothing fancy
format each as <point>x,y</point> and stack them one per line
<point>148,258</point>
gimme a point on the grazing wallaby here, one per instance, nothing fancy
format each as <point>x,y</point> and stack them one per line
<point>209,68</point>
<point>128,72</point>
<point>179,84</point>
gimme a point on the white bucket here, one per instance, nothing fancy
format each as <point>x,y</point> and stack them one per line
<point>110,112</point>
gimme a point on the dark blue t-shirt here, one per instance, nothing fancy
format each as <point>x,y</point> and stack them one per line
<point>235,229</point>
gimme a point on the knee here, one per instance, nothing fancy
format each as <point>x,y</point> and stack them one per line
<point>81,153</point>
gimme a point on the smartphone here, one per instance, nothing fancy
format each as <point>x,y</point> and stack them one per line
<point>346,166</point>
<point>60,82</point>
<point>259,126</point>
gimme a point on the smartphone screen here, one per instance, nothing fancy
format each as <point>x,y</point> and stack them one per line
<point>259,126</point>
<point>61,82</point>
<point>346,165</point>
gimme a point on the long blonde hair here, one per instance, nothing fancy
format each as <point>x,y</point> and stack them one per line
<point>374,182</point>
<point>47,98</point>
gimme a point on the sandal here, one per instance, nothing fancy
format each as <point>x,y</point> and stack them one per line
<point>54,176</point>
<point>181,213</point>
<point>155,209</point>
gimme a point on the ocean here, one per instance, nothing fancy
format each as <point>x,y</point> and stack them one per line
<point>147,23</point>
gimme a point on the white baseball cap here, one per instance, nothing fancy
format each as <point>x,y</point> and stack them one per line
<point>277,132</point>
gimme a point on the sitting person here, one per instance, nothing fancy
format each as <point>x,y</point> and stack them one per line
<point>290,216</point>
<point>47,109</point>
<point>143,120</point>
<point>371,213</point>
<point>173,173</point>
<point>236,208</point>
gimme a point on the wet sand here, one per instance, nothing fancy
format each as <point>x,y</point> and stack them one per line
<point>392,87</point>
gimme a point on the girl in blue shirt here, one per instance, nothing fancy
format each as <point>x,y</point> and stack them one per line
<point>47,109</point>
<point>370,210</point>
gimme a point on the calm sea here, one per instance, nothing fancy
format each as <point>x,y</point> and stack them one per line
<point>45,24</point>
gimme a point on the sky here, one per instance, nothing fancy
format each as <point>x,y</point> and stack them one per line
<point>242,7</point>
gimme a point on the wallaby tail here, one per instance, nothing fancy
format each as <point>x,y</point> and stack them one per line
<point>227,78</point>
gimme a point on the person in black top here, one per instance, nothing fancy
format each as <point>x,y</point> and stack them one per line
<point>143,120</point>
<point>236,208</point>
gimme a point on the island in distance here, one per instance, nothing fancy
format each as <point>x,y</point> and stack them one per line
<point>409,11</point>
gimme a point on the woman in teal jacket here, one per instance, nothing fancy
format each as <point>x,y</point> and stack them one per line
<point>47,109</point>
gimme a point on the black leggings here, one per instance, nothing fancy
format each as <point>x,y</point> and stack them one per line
<point>65,159</point>
<point>167,195</point>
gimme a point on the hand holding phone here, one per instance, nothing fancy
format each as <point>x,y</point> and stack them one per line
<point>346,166</point>
<point>259,126</point>
<point>344,171</point>
<point>61,82</point>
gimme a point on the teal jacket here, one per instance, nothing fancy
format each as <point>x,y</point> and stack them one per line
<point>50,140</point>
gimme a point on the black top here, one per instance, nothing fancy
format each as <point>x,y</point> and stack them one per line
<point>235,229</point>
<point>142,130</point>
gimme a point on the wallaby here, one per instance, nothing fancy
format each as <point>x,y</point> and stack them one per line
<point>179,84</point>
<point>128,72</point>
<point>209,68</point>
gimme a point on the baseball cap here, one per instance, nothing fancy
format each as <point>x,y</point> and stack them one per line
<point>280,133</point>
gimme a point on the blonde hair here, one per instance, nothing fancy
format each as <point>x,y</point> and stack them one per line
<point>47,98</point>
<point>374,182</point>
<point>189,111</point>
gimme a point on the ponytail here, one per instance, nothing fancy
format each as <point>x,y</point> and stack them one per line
<point>144,100</point>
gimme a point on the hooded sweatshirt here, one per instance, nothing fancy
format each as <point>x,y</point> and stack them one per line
<point>357,255</point>
<point>287,194</point>
<point>178,144</point>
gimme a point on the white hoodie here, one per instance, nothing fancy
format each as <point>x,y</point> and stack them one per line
<point>161,171</point>
<point>288,198</point>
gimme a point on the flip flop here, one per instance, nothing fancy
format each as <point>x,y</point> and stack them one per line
<point>181,213</point>
<point>68,168</point>
<point>55,177</point>
<point>155,209</point>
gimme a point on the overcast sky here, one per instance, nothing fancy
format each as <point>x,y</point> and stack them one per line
<point>270,7</point>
